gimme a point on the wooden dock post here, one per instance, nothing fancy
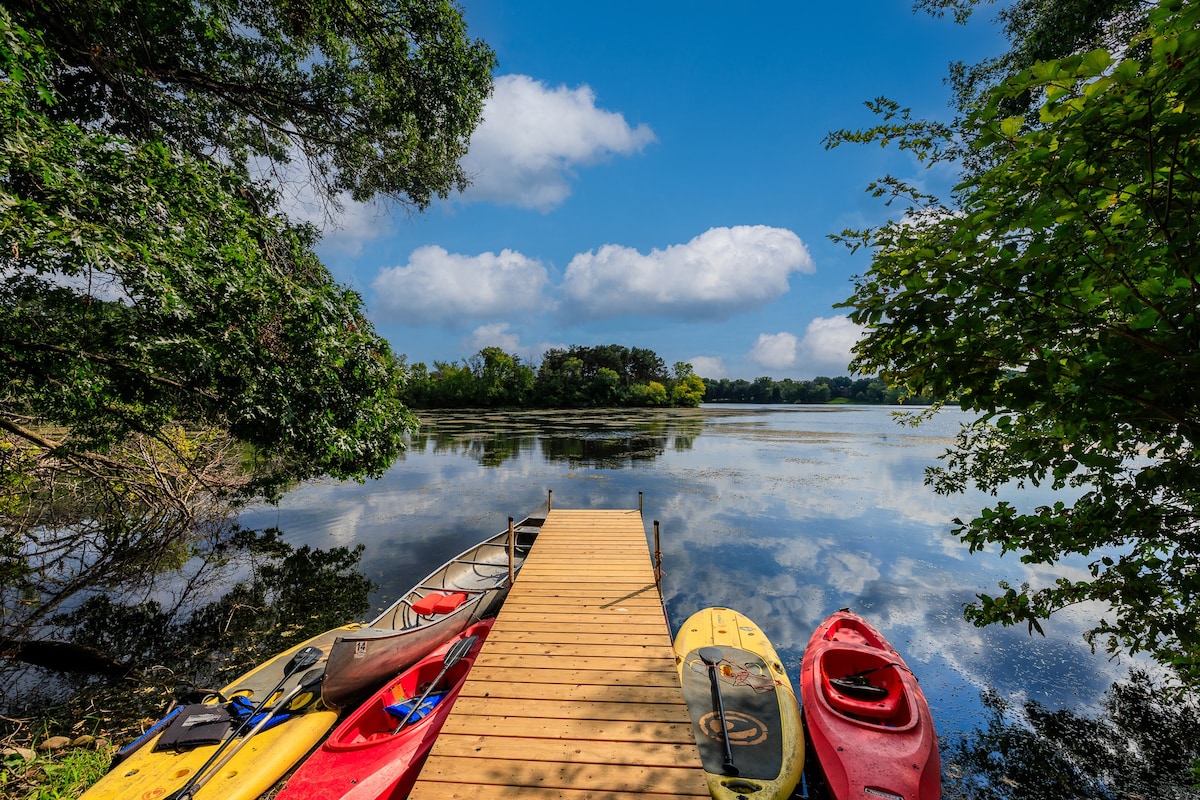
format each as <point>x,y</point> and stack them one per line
<point>512,552</point>
<point>657,561</point>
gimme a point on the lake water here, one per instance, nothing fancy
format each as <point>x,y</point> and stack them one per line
<point>783,513</point>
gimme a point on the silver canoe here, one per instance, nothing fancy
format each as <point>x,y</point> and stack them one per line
<point>464,590</point>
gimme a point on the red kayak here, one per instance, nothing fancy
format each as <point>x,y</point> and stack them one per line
<point>868,720</point>
<point>378,751</point>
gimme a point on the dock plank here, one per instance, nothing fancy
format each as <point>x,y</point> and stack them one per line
<point>575,695</point>
<point>577,751</point>
<point>554,708</point>
<point>517,773</point>
<point>568,693</point>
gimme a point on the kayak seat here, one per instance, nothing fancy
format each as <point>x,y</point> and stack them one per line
<point>872,705</point>
<point>844,681</point>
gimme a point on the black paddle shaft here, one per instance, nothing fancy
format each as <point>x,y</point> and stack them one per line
<point>303,659</point>
<point>453,656</point>
<point>308,683</point>
<point>712,656</point>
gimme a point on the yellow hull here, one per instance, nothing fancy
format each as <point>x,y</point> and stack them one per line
<point>769,766</point>
<point>255,768</point>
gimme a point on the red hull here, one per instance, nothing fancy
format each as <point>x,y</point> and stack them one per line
<point>873,735</point>
<point>364,759</point>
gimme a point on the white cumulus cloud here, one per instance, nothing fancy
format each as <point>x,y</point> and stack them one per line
<point>825,347</point>
<point>776,351</point>
<point>827,343</point>
<point>497,334</point>
<point>709,367</point>
<point>721,272</point>
<point>533,137</point>
<point>455,290</point>
<point>500,334</point>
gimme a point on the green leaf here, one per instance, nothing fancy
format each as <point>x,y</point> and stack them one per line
<point>1096,61</point>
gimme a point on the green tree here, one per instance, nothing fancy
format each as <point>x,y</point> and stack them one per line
<point>1038,31</point>
<point>372,98</point>
<point>764,390</point>
<point>1056,295</point>
<point>452,385</point>
<point>417,386</point>
<point>605,389</point>
<point>689,392</point>
<point>688,388</point>
<point>502,380</point>
<point>567,377</point>
<point>169,342</point>
<point>643,365</point>
<point>559,380</point>
<point>654,394</point>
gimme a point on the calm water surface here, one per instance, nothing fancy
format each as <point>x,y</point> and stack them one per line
<point>784,513</point>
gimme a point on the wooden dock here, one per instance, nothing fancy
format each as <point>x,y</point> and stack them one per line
<point>575,694</point>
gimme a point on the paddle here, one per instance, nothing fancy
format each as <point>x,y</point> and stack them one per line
<point>303,659</point>
<point>307,684</point>
<point>131,748</point>
<point>453,656</point>
<point>712,656</point>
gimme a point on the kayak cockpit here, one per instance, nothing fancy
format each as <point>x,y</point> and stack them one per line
<point>378,720</point>
<point>865,686</point>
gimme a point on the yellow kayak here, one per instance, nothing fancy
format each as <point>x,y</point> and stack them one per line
<point>147,774</point>
<point>744,712</point>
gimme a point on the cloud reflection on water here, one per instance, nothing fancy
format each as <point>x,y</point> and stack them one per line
<point>786,514</point>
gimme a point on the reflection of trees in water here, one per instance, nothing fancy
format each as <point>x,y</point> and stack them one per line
<point>600,439</point>
<point>284,596</point>
<point>603,450</point>
<point>1142,746</point>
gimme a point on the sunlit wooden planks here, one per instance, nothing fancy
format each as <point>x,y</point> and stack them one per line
<point>575,695</point>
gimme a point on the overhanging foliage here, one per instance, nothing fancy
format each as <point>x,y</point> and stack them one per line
<point>1058,296</point>
<point>169,342</point>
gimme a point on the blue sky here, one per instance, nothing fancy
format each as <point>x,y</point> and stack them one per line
<point>652,175</point>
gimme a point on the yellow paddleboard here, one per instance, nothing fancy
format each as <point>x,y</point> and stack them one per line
<point>261,761</point>
<point>757,749</point>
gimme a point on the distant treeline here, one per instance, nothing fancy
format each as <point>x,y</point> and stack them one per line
<point>612,376</point>
<point>577,377</point>
<point>818,390</point>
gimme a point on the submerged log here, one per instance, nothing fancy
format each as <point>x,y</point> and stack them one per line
<point>63,657</point>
